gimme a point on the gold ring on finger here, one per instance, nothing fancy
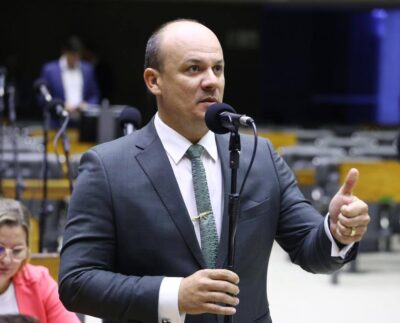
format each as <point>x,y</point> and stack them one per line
<point>353,231</point>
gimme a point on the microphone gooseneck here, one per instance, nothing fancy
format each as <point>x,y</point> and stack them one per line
<point>56,105</point>
<point>41,86</point>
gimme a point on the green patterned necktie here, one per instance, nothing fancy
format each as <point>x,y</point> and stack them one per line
<point>208,229</point>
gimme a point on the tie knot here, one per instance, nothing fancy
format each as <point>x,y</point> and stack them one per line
<point>195,151</point>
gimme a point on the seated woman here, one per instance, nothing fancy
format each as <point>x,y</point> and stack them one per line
<point>24,288</point>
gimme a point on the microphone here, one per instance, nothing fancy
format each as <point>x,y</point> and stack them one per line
<point>11,104</point>
<point>222,118</point>
<point>3,72</point>
<point>129,120</point>
<point>56,105</point>
<point>41,86</point>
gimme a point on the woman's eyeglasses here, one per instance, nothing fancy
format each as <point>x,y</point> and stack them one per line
<point>17,253</point>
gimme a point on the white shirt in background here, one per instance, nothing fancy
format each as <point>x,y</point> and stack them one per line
<point>72,79</point>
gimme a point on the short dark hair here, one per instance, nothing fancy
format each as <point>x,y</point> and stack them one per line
<point>152,56</point>
<point>73,44</point>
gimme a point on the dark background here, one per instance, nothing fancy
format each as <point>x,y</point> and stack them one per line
<point>293,64</point>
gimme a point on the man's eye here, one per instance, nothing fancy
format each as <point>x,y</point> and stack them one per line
<point>194,68</point>
<point>218,68</point>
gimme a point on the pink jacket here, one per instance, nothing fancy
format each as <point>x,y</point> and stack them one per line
<point>37,296</point>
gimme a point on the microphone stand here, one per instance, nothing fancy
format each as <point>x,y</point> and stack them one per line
<point>234,201</point>
<point>2,163</point>
<point>58,106</point>
<point>44,210</point>
<point>66,148</point>
<point>19,185</point>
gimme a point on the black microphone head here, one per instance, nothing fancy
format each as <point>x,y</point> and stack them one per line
<point>130,115</point>
<point>3,72</point>
<point>38,84</point>
<point>213,120</point>
<point>56,108</point>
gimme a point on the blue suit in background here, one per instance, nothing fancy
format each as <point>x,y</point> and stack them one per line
<point>51,74</point>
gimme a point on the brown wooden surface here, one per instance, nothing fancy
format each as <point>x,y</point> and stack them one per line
<point>34,236</point>
<point>305,176</point>
<point>58,189</point>
<point>76,147</point>
<point>377,181</point>
<point>49,260</point>
<point>278,138</point>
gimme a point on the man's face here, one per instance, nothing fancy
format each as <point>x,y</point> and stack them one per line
<point>73,58</point>
<point>191,77</point>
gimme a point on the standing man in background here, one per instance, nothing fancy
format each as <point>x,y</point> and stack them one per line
<point>138,245</point>
<point>71,79</point>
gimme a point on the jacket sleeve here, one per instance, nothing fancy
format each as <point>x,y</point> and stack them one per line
<point>89,282</point>
<point>300,229</point>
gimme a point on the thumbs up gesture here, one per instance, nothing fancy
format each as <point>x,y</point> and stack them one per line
<point>349,216</point>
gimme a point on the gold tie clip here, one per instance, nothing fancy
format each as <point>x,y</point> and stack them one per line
<point>203,215</point>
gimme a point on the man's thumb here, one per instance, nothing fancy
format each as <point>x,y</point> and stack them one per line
<point>350,182</point>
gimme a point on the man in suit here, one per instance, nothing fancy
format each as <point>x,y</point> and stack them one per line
<point>72,79</point>
<point>133,245</point>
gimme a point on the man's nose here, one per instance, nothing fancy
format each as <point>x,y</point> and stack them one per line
<point>210,79</point>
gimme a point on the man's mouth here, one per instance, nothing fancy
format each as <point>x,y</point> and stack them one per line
<point>209,100</point>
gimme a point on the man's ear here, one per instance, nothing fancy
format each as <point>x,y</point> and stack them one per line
<point>152,80</point>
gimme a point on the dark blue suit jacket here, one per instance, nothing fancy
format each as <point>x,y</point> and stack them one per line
<point>51,74</point>
<point>128,227</point>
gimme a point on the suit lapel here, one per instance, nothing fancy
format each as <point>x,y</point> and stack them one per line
<point>164,182</point>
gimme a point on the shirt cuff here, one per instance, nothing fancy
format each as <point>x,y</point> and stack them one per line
<point>335,251</point>
<point>168,309</point>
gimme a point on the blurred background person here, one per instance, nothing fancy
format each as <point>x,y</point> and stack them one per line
<point>24,288</point>
<point>72,79</point>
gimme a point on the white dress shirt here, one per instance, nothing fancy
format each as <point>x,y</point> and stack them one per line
<point>176,146</point>
<point>8,301</point>
<point>73,83</point>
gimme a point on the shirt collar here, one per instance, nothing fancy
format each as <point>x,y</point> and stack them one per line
<point>64,65</point>
<point>176,145</point>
